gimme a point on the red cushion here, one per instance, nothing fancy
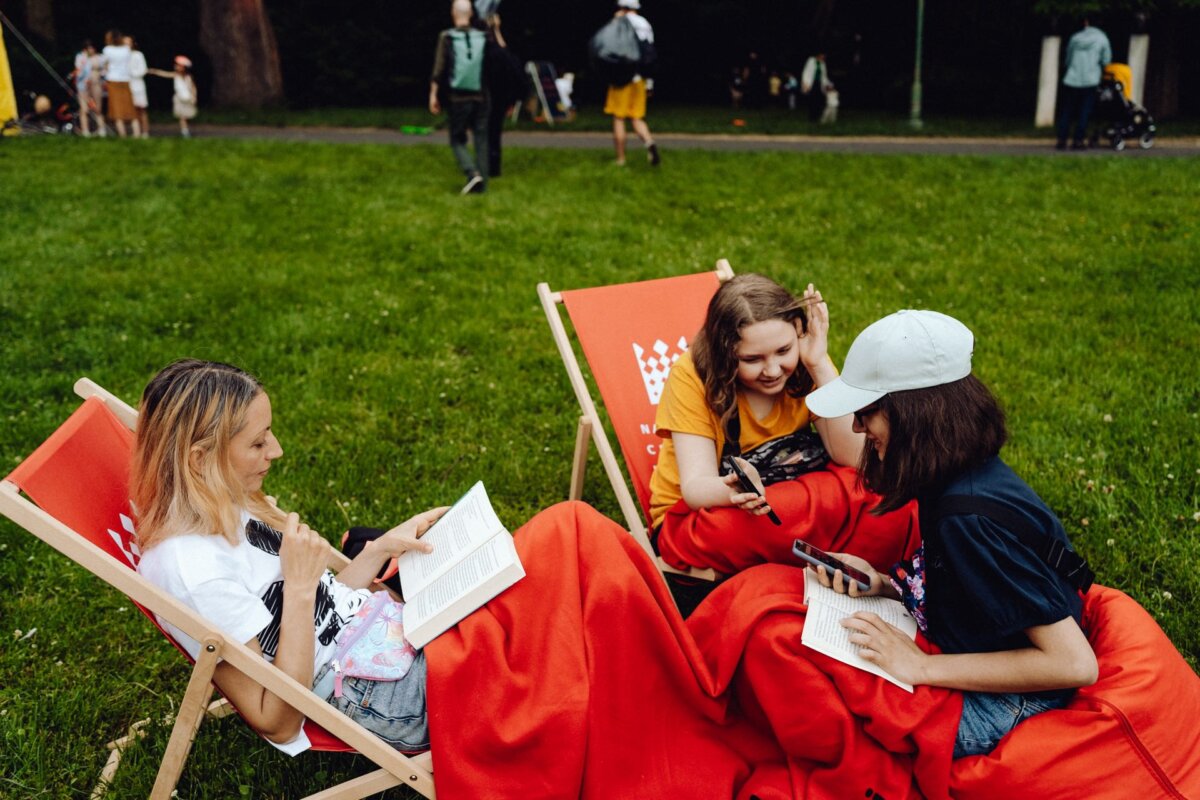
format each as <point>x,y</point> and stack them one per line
<point>1134,733</point>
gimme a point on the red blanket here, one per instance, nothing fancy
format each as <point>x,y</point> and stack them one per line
<point>845,732</point>
<point>582,681</point>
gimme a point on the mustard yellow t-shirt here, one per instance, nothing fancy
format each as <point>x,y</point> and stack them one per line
<point>683,409</point>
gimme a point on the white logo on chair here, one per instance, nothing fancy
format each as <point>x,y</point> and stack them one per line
<point>126,542</point>
<point>657,365</point>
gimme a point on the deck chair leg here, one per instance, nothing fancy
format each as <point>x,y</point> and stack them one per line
<point>116,749</point>
<point>187,720</point>
<point>583,438</point>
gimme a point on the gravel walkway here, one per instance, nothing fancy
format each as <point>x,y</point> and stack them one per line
<point>1173,147</point>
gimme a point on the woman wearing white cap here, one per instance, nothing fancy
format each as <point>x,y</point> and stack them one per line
<point>995,585</point>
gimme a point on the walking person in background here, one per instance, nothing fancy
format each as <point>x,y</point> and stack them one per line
<point>183,104</point>
<point>458,77</point>
<point>117,56</point>
<point>814,83</point>
<point>1088,52</point>
<point>89,89</point>
<point>791,87</point>
<point>137,88</point>
<point>629,101</point>
<point>505,81</point>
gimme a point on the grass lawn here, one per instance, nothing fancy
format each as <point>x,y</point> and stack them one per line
<point>396,326</point>
<point>665,118</point>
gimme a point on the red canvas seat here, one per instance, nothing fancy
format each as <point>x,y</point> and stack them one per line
<point>1135,732</point>
<point>78,483</point>
<point>630,334</point>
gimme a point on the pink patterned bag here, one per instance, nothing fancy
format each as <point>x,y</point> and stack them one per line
<point>372,645</point>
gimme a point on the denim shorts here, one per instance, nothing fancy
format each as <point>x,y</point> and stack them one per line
<point>987,718</point>
<point>392,710</point>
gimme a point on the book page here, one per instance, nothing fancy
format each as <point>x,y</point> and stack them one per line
<point>468,524</point>
<point>469,584</point>
<point>824,633</point>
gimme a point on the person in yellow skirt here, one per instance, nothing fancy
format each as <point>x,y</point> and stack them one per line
<point>628,102</point>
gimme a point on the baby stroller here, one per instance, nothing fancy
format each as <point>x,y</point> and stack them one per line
<point>43,118</point>
<point>1119,119</point>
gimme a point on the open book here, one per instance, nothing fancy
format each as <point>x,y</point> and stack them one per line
<point>473,560</point>
<point>824,633</point>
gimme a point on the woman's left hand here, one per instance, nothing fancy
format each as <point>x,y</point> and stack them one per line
<point>407,535</point>
<point>814,343</point>
<point>886,646</point>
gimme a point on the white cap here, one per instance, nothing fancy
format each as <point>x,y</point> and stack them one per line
<point>631,4</point>
<point>905,350</point>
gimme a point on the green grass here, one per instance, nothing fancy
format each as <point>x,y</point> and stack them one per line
<point>665,118</point>
<point>397,329</point>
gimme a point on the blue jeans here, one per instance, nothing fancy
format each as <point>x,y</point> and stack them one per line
<point>392,710</point>
<point>987,718</point>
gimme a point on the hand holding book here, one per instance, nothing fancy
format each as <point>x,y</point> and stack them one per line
<point>863,629</point>
<point>883,644</point>
<point>407,535</point>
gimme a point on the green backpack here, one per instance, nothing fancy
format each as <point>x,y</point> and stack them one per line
<point>466,73</point>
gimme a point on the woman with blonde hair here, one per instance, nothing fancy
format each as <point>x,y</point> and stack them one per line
<point>214,540</point>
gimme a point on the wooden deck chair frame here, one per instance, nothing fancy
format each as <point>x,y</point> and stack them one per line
<point>591,431</point>
<point>394,768</point>
<point>546,101</point>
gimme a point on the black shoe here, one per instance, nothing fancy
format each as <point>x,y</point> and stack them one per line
<point>474,185</point>
<point>1061,144</point>
<point>1078,145</point>
<point>652,154</point>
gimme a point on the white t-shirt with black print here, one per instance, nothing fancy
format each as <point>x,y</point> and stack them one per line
<point>239,588</point>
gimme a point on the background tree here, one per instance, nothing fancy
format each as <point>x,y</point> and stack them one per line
<point>39,16</point>
<point>238,38</point>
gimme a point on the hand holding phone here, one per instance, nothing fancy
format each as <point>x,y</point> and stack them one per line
<point>820,559</point>
<point>749,482</point>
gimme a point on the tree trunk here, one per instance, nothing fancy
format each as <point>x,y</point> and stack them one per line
<point>1162,72</point>
<point>39,18</point>
<point>238,38</point>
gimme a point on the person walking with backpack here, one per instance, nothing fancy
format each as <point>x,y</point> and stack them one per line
<point>458,78</point>
<point>629,101</point>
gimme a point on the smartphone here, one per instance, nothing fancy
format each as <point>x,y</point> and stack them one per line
<point>747,485</point>
<point>819,558</point>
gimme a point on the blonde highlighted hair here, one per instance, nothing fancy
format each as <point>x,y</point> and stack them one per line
<point>193,406</point>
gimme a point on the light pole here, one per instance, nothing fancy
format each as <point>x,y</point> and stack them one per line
<point>914,114</point>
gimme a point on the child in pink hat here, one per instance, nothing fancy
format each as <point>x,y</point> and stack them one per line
<point>183,104</point>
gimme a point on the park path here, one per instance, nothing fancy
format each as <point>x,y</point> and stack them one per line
<point>583,140</point>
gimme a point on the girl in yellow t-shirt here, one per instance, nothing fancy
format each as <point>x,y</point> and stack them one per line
<point>740,391</point>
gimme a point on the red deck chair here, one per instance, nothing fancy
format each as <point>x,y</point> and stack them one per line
<point>631,334</point>
<point>78,483</point>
